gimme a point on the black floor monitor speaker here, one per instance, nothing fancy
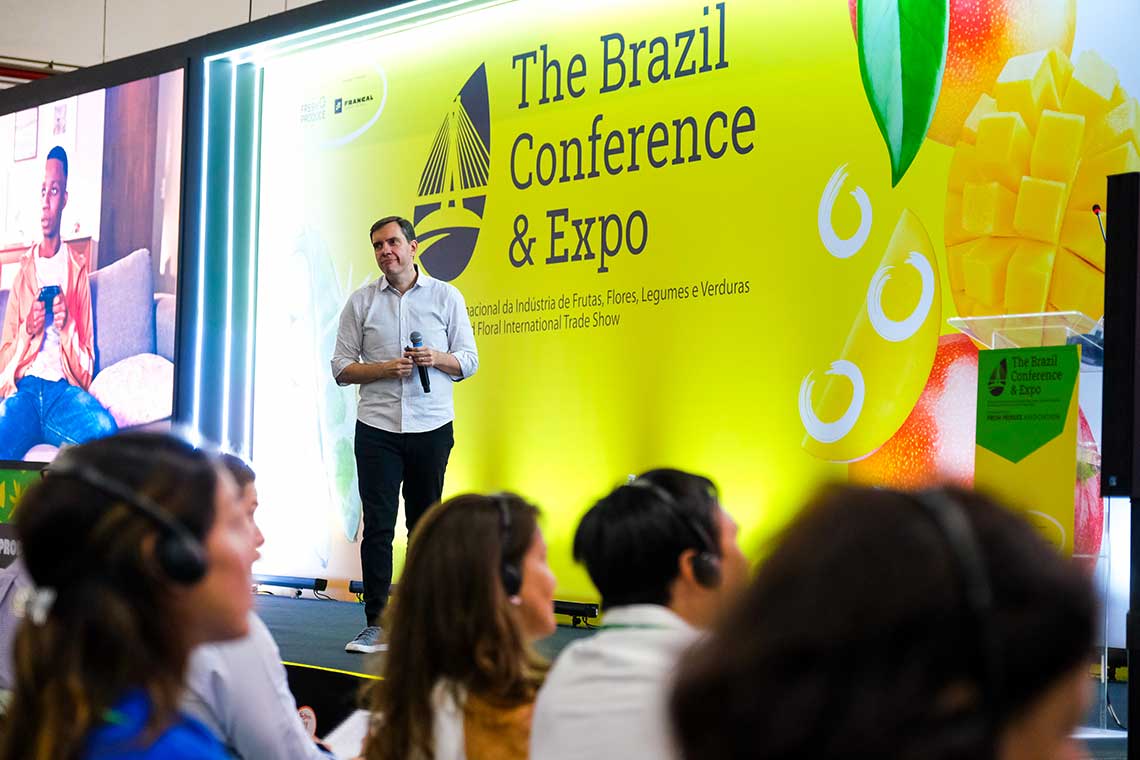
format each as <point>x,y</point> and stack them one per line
<point>1120,465</point>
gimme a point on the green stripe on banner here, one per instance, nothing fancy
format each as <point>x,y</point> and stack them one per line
<point>13,483</point>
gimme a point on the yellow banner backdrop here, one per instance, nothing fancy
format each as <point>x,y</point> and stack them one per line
<point>676,231</point>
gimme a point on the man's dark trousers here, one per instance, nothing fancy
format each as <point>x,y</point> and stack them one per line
<point>383,461</point>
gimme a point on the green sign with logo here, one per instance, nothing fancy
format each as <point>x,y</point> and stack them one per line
<point>13,483</point>
<point>1023,397</point>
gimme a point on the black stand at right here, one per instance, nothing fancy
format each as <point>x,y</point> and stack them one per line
<point>1120,460</point>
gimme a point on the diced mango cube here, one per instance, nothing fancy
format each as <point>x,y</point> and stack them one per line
<point>964,166</point>
<point>984,270</point>
<point>987,209</point>
<point>1057,146</point>
<point>1026,85</point>
<point>1091,184</point>
<point>1028,277</point>
<point>1117,127</point>
<point>954,257</point>
<point>968,307</point>
<point>1040,209</point>
<point>1004,144</point>
<point>1080,233</point>
<point>984,107</point>
<point>1119,95</point>
<point>1062,69</point>
<point>1091,89</point>
<point>954,233</point>
<point>1077,285</point>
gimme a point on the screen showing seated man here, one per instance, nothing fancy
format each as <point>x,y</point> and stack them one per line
<point>47,350</point>
<point>89,222</point>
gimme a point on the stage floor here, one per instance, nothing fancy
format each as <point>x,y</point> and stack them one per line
<point>312,632</point>
<point>311,635</point>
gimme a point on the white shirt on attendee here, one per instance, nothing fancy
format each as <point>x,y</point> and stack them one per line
<point>240,691</point>
<point>607,696</point>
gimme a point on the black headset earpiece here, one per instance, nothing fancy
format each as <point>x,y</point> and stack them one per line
<point>706,562</point>
<point>970,567</point>
<point>177,552</point>
<point>509,572</point>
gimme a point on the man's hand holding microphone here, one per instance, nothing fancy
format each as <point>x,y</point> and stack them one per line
<point>421,357</point>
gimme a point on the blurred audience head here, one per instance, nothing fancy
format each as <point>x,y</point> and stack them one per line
<point>934,626</point>
<point>663,538</point>
<point>138,552</point>
<point>475,591</point>
<point>245,480</point>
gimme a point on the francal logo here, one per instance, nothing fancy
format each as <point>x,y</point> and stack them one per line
<point>452,193</point>
<point>340,105</point>
<point>997,381</point>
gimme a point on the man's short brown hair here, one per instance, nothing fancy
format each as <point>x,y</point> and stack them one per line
<point>405,227</point>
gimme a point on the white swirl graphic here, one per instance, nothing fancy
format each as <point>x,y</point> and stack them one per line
<point>842,248</point>
<point>830,432</point>
<point>887,328</point>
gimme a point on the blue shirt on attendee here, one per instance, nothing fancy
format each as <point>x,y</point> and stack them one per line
<point>121,736</point>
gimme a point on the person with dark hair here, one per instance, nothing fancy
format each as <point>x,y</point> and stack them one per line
<point>47,346</point>
<point>460,677</point>
<point>927,626</point>
<point>664,555</point>
<point>404,417</point>
<point>138,552</point>
<point>239,689</point>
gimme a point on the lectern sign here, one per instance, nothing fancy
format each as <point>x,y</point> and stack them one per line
<point>1024,397</point>
<point>1027,433</point>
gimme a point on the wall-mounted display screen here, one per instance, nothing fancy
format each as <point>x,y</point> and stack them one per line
<point>89,230</point>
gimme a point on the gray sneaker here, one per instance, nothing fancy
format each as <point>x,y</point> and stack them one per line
<point>367,641</point>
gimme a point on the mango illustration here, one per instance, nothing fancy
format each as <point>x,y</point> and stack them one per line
<point>858,401</point>
<point>935,445</point>
<point>984,35</point>
<point>1030,163</point>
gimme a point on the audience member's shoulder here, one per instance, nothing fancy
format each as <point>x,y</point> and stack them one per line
<point>492,730</point>
<point>185,740</point>
<point>119,737</point>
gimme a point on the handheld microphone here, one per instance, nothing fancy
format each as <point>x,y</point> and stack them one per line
<point>418,342</point>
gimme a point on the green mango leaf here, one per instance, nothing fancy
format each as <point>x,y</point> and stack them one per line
<point>902,53</point>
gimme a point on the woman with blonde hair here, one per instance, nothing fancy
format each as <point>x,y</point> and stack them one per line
<point>460,677</point>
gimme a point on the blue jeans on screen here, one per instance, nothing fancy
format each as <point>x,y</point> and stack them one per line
<point>56,413</point>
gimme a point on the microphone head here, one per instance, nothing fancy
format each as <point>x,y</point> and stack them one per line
<point>416,338</point>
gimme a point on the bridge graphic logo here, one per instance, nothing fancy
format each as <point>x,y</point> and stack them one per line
<point>452,192</point>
